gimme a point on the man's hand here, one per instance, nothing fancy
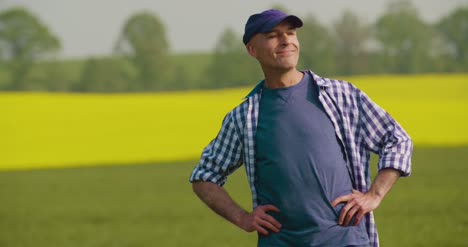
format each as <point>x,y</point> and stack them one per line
<point>260,221</point>
<point>218,199</point>
<point>357,205</point>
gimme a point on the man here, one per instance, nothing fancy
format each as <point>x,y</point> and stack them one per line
<point>305,142</point>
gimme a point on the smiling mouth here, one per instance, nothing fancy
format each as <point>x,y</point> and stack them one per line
<point>286,52</point>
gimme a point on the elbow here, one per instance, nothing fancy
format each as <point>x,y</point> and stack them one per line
<point>196,186</point>
<point>199,187</point>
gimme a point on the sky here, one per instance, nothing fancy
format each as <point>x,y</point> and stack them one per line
<point>91,27</point>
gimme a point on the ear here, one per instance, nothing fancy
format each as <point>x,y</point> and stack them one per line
<point>251,50</point>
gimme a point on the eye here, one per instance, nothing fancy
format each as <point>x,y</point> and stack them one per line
<point>271,35</point>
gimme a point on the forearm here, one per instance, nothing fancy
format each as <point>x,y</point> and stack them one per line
<point>383,182</point>
<point>216,198</point>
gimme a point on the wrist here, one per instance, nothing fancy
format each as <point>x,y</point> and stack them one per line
<point>243,221</point>
<point>376,195</point>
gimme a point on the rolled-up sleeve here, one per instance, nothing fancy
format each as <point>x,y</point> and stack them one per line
<point>221,157</point>
<point>384,136</point>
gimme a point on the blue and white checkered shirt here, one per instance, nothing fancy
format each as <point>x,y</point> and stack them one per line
<point>360,124</point>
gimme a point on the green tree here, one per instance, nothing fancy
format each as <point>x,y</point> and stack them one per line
<point>181,79</point>
<point>231,65</point>
<point>351,38</point>
<point>454,31</point>
<point>405,40</point>
<point>50,75</point>
<point>107,75</point>
<point>317,47</point>
<point>23,40</point>
<point>143,41</point>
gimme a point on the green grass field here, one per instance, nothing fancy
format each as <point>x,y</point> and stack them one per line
<point>152,205</point>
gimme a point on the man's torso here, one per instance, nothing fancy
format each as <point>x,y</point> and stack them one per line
<point>300,168</point>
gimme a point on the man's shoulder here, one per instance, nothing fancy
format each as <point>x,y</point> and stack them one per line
<point>240,110</point>
<point>334,84</point>
<point>238,115</point>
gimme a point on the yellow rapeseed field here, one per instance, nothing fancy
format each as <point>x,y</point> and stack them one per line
<point>40,130</point>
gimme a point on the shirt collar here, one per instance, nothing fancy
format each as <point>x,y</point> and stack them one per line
<point>321,82</point>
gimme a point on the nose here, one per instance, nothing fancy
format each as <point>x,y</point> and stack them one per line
<point>285,39</point>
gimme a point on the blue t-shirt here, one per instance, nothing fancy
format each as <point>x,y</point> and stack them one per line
<point>301,169</point>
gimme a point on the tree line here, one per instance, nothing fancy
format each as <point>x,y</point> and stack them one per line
<point>399,41</point>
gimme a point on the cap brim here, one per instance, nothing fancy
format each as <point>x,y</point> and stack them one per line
<point>294,20</point>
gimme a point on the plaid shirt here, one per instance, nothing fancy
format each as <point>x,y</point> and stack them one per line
<point>360,125</point>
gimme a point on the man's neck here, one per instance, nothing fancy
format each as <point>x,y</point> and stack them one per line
<point>281,79</point>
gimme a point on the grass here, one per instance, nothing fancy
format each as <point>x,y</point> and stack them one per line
<point>152,205</point>
<point>429,208</point>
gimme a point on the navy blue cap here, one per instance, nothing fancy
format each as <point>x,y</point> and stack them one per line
<point>265,21</point>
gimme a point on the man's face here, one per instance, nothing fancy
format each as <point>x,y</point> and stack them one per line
<point>278,49</point>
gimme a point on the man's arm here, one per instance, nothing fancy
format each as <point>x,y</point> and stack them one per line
<point>220,158</point>
<point>358,204</point>
<point>215,197</point>
<point>383,135</point>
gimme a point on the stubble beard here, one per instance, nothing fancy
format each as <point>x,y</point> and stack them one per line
<point>287,63</point>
